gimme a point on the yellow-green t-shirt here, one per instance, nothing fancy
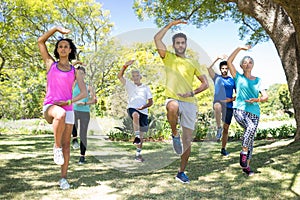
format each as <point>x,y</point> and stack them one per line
<point>180,74</point>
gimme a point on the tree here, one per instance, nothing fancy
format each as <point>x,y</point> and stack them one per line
<point>22,72</point>
<point>261,20</point>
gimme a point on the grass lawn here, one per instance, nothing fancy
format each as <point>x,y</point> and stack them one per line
<point>28,171</point>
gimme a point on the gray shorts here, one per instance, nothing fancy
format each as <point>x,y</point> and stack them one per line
<point>70,117</point>
<point>187,113</point>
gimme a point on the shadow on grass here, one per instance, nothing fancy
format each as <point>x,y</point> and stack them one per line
<point>27,171</point>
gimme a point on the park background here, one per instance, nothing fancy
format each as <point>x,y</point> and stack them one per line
<point>106,37</point>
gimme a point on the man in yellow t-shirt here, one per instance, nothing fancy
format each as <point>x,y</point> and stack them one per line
<point>180,103</point>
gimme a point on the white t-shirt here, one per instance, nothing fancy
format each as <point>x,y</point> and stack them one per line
<point>137,95</point>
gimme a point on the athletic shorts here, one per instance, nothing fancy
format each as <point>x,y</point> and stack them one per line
<point>227,113</point>
<point>143,119</point>
<point>70,117</point>
<point>187,113</point>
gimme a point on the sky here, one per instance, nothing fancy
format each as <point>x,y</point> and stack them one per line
<point>216,39</point>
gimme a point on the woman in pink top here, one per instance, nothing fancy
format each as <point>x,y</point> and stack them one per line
<point>58,108</point>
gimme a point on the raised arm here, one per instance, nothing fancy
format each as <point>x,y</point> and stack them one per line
<point>232,57</point>
<point>121,73</point>
<point>48,59</point>
<point>161,47</point>
<point>210,70</point>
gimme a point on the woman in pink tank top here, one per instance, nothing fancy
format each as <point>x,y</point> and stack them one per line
<point>58,108</point>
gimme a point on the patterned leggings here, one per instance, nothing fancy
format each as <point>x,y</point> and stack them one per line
<point>249,122</point>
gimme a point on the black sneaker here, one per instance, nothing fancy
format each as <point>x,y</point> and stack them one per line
<point>243,160</point>
<point>248,171</point>
<point>81,160</point>
<point>224,152</point>
<point>137,141</point>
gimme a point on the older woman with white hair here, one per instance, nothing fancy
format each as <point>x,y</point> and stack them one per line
<point>249,93</point>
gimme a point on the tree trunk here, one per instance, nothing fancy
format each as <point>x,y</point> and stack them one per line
<point>281,20</point>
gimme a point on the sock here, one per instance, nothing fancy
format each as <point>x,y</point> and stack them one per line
<point>137,134</point>
<point>138,151</point>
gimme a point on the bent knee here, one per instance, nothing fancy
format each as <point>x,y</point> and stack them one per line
<point>172,106</point>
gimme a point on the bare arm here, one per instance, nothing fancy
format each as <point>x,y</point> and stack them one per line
<point>232,57</point>
<point>161,47</point>
<point>149,103</point>
<point>48,59</point>
<point>82,87</point>
<point>204,85</point>
<point>210,70</point>
<point>263,98</point>
<point>121,73</point>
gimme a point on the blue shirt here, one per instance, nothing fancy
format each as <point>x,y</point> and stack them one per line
<point>224,87</point>
<point>82,108</point>
<point>245,90</point>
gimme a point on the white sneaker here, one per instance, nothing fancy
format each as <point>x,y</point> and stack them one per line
<point>63,184</point>
<point>58,156</point>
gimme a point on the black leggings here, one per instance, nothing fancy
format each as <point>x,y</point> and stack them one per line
<point>84,118</point>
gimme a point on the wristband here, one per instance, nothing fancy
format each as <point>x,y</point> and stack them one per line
<point>69,102</point>
<point>125,66</point>
<point>85,103</point>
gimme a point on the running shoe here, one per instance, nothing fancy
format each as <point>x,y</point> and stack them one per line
<point>137,141</point>
<point>219,133</point>
<point>63,184</point>
<point>139,158</point>
<point>182,177</point>
<point>81,160</point>
<point>75,144</point>
<point>243,160</point>
<point>248,171</point>
<point>224,152</point>
<point>58,156</point>
<point>177,145</point>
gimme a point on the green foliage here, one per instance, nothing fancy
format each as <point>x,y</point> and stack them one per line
<point>285,131</point>
<point>204,126</point>
<point>200,13</point>
<point>23,81</point>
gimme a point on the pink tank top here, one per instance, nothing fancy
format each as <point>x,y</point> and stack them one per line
<point>59,86</point>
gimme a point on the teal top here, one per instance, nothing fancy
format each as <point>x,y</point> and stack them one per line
<point>82,108</point>
<point>245,90</point>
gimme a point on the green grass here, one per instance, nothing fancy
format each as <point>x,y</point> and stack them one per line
<point>28,171</point>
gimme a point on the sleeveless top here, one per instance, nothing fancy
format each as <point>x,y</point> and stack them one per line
<point>59,85</point>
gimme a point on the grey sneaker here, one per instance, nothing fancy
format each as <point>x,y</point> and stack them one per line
<point>63,184</point>
<point>139,158</point>
<point>177,145</point>
<point>75,144</point>
<point>58,156</point>
<point>219,133</point>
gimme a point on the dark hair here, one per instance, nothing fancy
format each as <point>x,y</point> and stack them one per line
<point>81,68</point>
<point>222,63</point>
<point>73,53</point>
<point>179,35</point>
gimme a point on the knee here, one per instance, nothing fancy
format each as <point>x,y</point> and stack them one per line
<point>60,115</point>
<point>217,107</point>
<point>135,116</point>
<point>172,107</point>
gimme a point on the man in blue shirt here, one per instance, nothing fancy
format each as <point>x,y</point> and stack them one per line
<point>222,104</point>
